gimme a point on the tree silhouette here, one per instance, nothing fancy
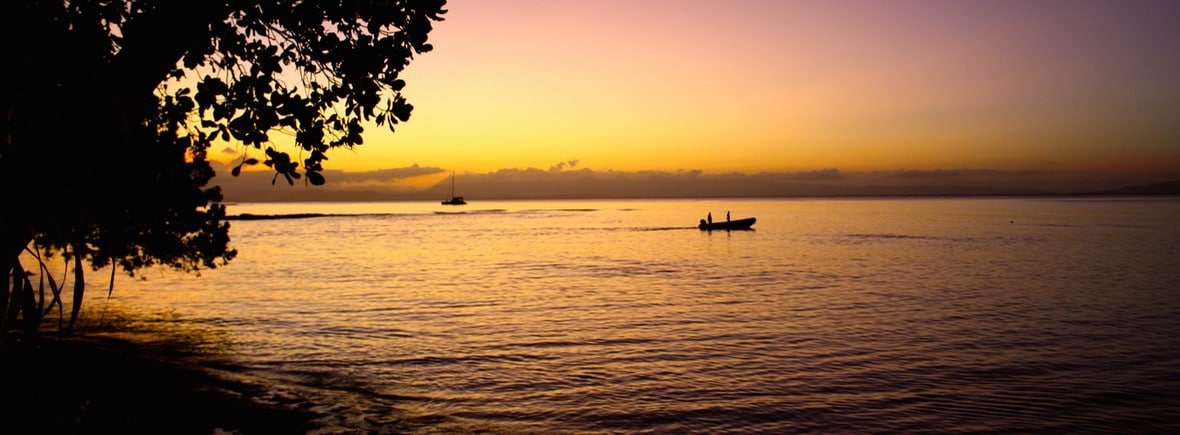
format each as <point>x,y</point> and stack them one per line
<point>108,108</point>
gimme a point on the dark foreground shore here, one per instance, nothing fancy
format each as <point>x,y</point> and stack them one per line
<point>111,385</point>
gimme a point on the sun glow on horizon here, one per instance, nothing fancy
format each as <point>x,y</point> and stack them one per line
<point>756,86</point>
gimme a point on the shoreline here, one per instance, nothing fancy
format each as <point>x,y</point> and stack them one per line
<point>101,384</point>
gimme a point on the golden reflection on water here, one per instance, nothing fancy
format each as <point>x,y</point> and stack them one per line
<point>597,315</point>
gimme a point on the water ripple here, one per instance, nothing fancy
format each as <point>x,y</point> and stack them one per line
<point>889,316</point>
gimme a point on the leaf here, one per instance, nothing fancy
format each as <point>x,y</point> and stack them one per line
<point>315,178</point>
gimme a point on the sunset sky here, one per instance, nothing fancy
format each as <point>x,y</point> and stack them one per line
<point>1069,87</point>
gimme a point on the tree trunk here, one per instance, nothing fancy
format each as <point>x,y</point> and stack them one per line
<point>79,290</point>
<point>14,240</point>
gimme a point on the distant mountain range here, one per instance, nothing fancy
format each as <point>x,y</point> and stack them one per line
<point>538,184</point>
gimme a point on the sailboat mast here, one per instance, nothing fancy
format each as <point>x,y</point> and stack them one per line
<point>453,200</point>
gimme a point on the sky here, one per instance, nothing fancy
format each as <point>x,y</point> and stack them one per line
<point>1054,94</point>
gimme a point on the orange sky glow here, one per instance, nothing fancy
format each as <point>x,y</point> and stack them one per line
<point>763,86</point>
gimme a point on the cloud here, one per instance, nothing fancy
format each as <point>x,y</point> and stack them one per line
<point>378,185</point>
<point>561,165</point>
<point>958,173</point>
<point>533,183</point>
<point>822,174</point>
<point>561,181</point>
<point>382,175</point>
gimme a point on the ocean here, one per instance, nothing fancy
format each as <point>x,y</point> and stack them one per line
<point>917,315</point>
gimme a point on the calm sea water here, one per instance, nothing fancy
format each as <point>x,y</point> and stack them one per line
<point>877,315</point>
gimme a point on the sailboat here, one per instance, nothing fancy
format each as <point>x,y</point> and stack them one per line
<point>455,200</point>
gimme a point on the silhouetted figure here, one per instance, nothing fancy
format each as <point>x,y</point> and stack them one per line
<point>727,216</point>
<point>710,217</point>
<point>702,222</point>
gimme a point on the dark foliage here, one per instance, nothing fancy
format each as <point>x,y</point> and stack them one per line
<point>108,108</point>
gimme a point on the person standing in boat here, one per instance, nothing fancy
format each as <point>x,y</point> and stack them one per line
<point>727,215</point>
<point>710,218</point>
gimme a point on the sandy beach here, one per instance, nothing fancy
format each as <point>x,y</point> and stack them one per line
<point>103,384</point>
